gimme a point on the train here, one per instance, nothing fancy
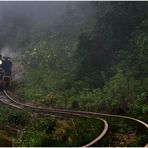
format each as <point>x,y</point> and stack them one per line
<point>5,72</point>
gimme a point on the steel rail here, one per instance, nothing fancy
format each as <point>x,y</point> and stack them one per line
<point>82,112</point>
<point>12,105</point>
<point>101,135</point>
<point>109,115</point>
<point>105,129</point>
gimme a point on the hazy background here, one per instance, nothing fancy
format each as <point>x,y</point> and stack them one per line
<point>21,21</point>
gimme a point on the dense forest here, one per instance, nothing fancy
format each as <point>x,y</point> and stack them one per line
<point>89,56</point>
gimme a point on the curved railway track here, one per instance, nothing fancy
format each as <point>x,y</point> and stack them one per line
<point>13,103</point>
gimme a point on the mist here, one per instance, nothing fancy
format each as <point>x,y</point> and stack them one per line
<point>19,19</point>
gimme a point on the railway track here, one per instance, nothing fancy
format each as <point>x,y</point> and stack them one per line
<point>7,100</point>
<point>13,103</point>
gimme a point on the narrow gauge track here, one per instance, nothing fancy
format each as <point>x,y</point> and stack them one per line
<point>7,100</point>
<point>77,113</point>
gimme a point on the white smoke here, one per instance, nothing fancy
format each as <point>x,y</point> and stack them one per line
<point>7,52</point>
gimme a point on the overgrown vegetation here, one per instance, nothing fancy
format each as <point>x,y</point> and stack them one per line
<point>31,129</point>
<point>96,61</point>
<point>99,69</point>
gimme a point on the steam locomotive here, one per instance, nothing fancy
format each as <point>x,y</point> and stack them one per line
<point>5,72</point>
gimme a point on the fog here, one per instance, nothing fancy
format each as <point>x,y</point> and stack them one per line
<point>22,17</point>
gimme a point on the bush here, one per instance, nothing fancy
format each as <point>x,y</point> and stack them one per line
<point>18,118</point>
<point>119,92</point>
<point>14,118</point>
<point>86,100</point>
<point>39,132</point>
<point>34,139</point>
<point>77,132</point>
<point>139,107</point>
<point>52,99</point>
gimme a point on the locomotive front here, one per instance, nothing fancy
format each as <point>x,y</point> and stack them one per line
<point>5,72</point>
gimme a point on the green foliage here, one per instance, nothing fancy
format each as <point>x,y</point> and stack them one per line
<point>33,138</point>
<point>76,132</point>
<point>16,118</point>
<point>3,116</point>
<point>47,67</point>
<point>39,132</point>
<point>139,50</point>
<point>119,91</point>
<point>86,100</point>
<point>51,132</point>
<point>53,99</point>
<point>51,54</point>
<point>97,51</point>
<point>139,107</point>
<point>104,69</point>
<point>45,125</point>
<point>37,83</point>
<point>95,61</point>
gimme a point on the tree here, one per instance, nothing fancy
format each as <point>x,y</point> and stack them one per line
<point>97,52</point>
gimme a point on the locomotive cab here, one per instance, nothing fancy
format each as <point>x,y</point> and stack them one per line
<point>5,72</point>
